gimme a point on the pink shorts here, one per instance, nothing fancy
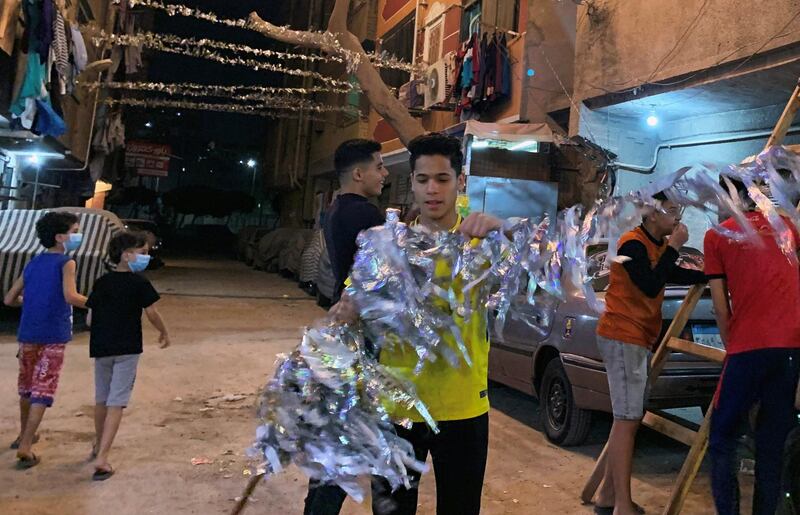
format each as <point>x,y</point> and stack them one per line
<point>39,370</point>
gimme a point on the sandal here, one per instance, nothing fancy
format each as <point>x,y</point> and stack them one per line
<point>15,444</point>
<point>24,463</point>
<point>102,475</point>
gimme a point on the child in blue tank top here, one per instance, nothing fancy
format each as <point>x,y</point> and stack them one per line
<point>46,291</point>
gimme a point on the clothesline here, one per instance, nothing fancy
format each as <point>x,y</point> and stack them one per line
<point>514,34</point>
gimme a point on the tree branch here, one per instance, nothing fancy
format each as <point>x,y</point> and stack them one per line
<point>338,36</point>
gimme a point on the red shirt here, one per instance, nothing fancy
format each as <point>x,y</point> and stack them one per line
<point>764,287</point>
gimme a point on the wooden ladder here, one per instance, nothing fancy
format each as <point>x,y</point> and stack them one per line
<point>661,422</point>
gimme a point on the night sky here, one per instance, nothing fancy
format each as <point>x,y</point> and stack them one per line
<point>235,137</point>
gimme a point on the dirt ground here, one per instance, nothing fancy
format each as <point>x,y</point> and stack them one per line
<point>194,400</point>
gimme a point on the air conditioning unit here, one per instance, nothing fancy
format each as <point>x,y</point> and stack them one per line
<point>439,83</point>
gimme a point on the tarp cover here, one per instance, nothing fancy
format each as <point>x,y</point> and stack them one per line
<point>19,244</point>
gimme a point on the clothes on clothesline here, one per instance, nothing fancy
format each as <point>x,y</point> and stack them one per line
<point>482,74</point>
<point>54,53</point>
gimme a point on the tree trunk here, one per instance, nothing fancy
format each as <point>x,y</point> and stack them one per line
<point>378,94</point>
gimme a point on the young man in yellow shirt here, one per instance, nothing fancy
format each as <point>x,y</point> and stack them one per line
<point>457,397</point>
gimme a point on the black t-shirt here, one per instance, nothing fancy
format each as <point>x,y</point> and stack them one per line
<point>349,215</point>
<point>117,301</point>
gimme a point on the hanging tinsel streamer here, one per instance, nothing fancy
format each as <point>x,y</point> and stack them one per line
<point>255,110</point>
<point>205,53</point>
<point>194,89</point>
<point>262,100</point>
<point>327,39</point>
<point>309,418</point>
<point>384,60</point>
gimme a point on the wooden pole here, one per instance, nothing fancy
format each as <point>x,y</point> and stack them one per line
<point>246,494</point>
<point>690,467</point>
<point>786,119</point>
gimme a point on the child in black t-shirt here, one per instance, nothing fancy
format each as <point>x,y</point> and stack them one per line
<point>115,316</point>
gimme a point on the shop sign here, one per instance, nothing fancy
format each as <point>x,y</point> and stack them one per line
<point>150,159</point>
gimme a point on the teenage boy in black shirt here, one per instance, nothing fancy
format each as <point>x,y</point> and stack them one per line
<point>361,173</point>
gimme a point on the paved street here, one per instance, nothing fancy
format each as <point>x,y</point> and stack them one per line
<point>194,400</point>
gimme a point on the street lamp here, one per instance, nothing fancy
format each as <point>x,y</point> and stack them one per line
<point>251,163</point>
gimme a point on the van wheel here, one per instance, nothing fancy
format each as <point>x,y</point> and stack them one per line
<point>564,423</point>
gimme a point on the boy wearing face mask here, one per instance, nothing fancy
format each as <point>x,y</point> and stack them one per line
<point>115,316</point>
<point>46,291</point>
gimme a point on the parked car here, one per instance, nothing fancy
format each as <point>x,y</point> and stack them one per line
<point>154,239</point>
<point>556,358</point>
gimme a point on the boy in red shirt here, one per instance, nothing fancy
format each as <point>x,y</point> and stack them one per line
<point>756,294</point>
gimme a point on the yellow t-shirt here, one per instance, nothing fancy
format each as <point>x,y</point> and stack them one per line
<point>450,393</point>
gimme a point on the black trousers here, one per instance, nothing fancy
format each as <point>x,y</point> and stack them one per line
<point>769,377</point>
<point>458,453</point>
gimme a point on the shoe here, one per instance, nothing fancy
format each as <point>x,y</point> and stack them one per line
<point>102,475</point>
<point>26,463</point>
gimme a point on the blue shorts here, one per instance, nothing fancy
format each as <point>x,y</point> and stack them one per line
<point>113,379</point>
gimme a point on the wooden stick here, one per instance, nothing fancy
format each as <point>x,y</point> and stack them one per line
<point>786,119</point>
<point>690,467</point>
<point>246,494</point>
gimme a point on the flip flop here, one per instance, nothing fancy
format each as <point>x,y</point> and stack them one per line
<point>26,463</point>
<point>15,444</point>
<point>609,510</point>
<point>102,475</point>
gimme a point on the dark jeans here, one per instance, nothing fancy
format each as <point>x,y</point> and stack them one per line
<point>323,499</point>
<point>768,377</point>
<point>459,462</point>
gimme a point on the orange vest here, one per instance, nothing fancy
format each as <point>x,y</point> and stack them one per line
<point>630,315</point>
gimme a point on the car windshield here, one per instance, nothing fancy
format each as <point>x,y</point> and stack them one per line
<point>596,256</point>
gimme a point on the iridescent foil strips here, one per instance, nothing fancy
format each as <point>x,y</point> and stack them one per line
<point>325,408</point>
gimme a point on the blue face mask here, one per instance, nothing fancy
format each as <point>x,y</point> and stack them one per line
<point>74,241</point>
<point>140,263</point>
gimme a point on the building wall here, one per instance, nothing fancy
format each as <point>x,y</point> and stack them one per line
<point>622,46</point>
<point>550,54</point>
<point>626,54</point>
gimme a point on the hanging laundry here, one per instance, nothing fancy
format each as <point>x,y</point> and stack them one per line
<point>32,88</point>
<point>60,51</point>
<point>133,53</point>
<point>79,56</point>
<point>44,27</point>
<point>48,122</point>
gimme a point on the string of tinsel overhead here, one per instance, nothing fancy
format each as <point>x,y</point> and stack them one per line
<point>350,58</point>
<point>205,53</point>
<point>194,89</point>
<point>256,110</point>
<point>261,99</point>
<point>380,61</point>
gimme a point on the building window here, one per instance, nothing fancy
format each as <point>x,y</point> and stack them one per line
<point>489,15</point>
<point>399,41</point>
